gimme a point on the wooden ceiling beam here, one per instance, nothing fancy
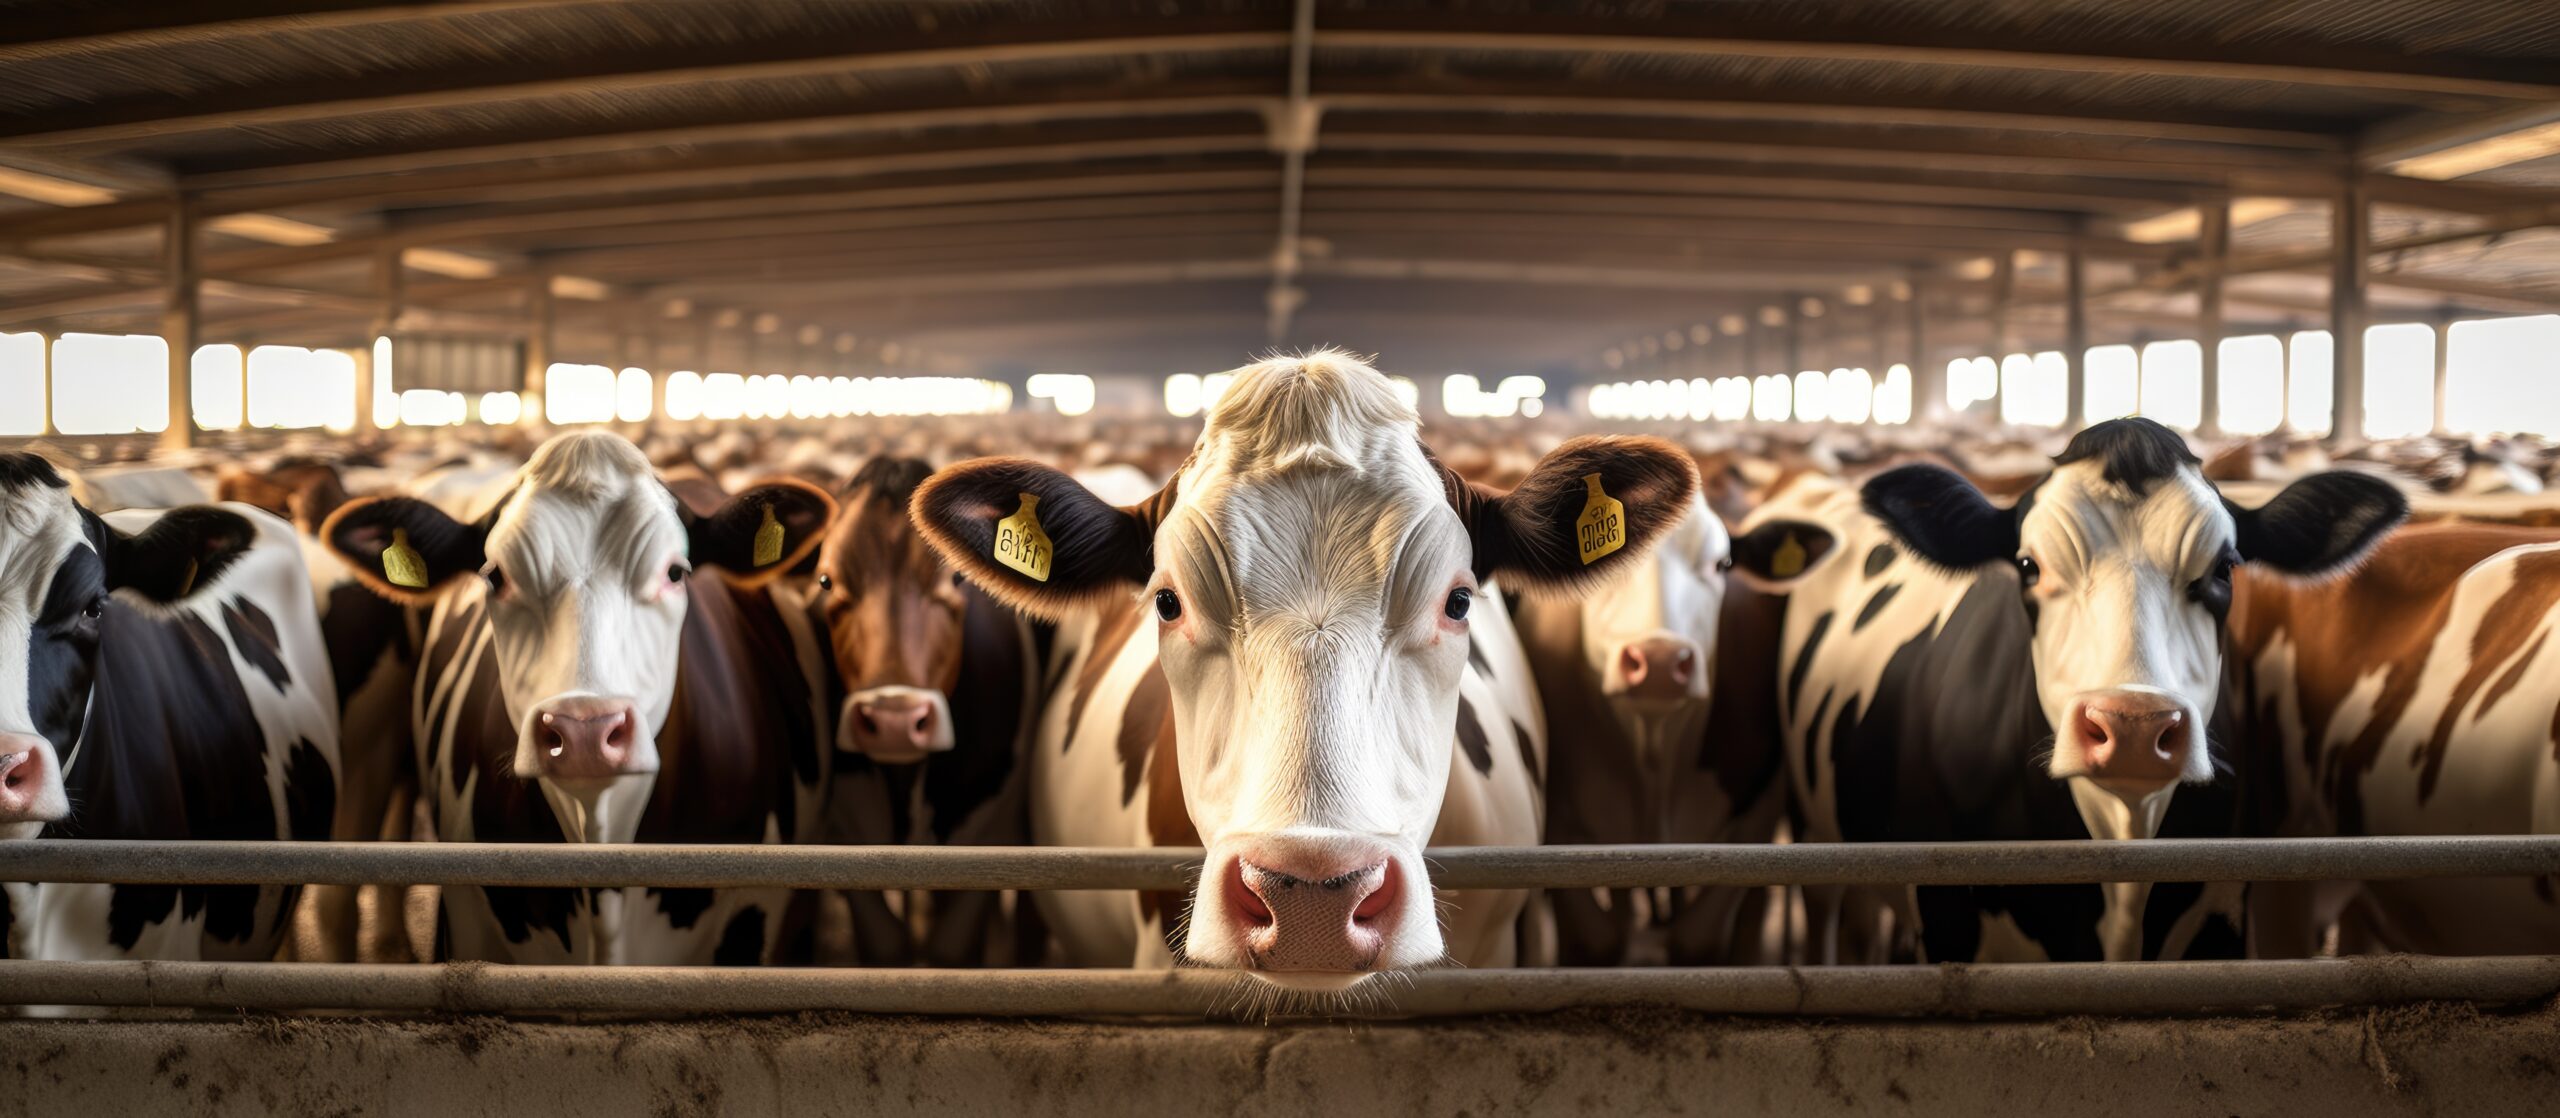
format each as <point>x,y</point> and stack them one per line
<point>76,29</point>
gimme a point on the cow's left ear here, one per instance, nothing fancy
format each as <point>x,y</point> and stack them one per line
<point>762,533</point>
<point>185,549</point>
<point>1942,517</point>
<point>1587,509</point>
<point>2320,524</point>
<point>1774,555</point>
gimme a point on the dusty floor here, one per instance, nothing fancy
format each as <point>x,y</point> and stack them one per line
<point>2406,1061</point>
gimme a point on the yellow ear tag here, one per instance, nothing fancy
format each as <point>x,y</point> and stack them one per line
<point>769,540</point>
<point>1788,560</point>
<point>402,564</point>
<point>1603,526</point>
<point>1021,545</point>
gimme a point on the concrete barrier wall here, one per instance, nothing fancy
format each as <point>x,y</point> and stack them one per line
<point>2424,1060</point>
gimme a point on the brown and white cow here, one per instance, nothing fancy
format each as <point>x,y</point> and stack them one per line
<point>578,683</point>
<point>2421,697</point>
<point>1294,683</point>
<point>940,695</point>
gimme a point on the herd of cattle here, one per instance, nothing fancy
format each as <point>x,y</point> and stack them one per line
<point>1302,640</point>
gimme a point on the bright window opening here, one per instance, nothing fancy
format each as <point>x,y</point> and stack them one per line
<point>578,394</point>
<point>2399,380</point>
<point>2173,383</point>
<point>21,384</point>
<point>2503,376</point>
<point>2113,376</point>
<point>1893,397</point>
<point>2252,396</point>
<point>684,395</point>
<point>293,388</point>
<point>631,395</point>
<point>1852,394</point>
<point>110,384</point>
<point>1813,396</point>
<point>213,387</point>
<point>1070,393</point>
<point>2034,390</point>
<point>2308,369</point>
<point>1769,398</point>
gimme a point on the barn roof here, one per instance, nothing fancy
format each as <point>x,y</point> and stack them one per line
<point>1146,186</point>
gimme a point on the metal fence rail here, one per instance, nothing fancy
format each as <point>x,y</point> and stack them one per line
<point>2020,989</point>
<point>1561,867</point>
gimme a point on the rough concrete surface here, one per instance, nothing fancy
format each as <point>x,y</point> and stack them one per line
<point>2423,1060</point>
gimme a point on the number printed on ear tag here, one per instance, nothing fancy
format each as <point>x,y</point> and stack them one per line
<point>402,564</point>
<point>1021,545</point>
<point>1603,526</point>
<point>769,540</point>
<point>1788,560</point>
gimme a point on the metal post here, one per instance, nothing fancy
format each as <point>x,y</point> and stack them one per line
<point>178,324</point>
<point>44,385</point>
<point>1928,378</point>
<point>539,312</point>
<point>2444,352</point>
<point>2351,243</point>
<point>2213,243</point>
<point>2075,339</point>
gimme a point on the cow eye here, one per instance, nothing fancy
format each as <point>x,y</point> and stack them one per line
<point>497,580</point>
<point>958,580</point>
<point>1168,606</point>
<point>826,583</point>
<point>2028,571</point>
<point>96,608</point>
<point>1460,600</point>
<point>677,571</point>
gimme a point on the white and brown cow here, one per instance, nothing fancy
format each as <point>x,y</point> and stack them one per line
<point>2421,697</point>
<point>940,696</point>
<point>161,677</point>
<point>1956,670</point>
<point>1279,658</point>
<point>579,683</point>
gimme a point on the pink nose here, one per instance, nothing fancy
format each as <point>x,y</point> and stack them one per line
<point>25,778</point>
<point>1659,667</point>
<point>1325,912</point>
<point>893,727</point>
<point>2134,741</point>
<point>586,738</point>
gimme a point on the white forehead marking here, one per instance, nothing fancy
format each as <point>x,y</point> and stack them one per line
<point>583,500</point>
<point>2080,518</point>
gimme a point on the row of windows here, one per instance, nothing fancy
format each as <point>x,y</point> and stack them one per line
<point>1812,396</point>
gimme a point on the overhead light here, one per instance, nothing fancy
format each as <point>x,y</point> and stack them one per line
<point>50,190</point>
<point>447,263</point>
<point>2187,223</point>
<point>678,308</point>
<point>272,229</point>
<point>580,288</point>
<point>2481,155</point>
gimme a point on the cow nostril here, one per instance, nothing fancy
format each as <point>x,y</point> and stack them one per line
<point>1631,664</point>
<point>1246,900</point>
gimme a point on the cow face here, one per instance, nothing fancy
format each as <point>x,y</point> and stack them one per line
<point>1649,637</point>
<point>582,572</point>
<point>1311,571</point>
<point>894,614</point>
<point>2123,557</point>
<point>58,566</point>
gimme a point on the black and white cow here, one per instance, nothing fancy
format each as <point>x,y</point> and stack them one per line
<point>161,677</point>
<point>578,683</point>
<point>1955,670</point>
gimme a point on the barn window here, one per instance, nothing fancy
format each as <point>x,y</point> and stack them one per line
<point>2308,369</point>
<point>1813,396</point>
<point>1970,379</point>
<point>2034,389</point>
<point>2399,380</point>
<point>21,384</point>
<point>2113,378</point>
<point>2173,382</point>
<point>1733,399</point>
<point>631,392</point>
<point>433,407</point>
<point>214,387</point>
<point>1852,395</point>
<point>2503,375</point>
<point>578,394</point>
<point>1769,398</point>
<point>684,395</point>
<point>1893,397</point>
<point>293,388</point>
<point>2252,395</point>
<point>386,397</point>
<point>500,409</point>
<point>724,396</point>
<point>110,384</point>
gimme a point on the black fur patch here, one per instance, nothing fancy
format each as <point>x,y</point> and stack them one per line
<point>1941,516</point>
<point>2133,452</point>
<point>1878,558</point>
<point>2320,523</point>
<point>21,470</point>
<point>1875,605</point>
<point>1472,739</point>
<point>254,634</point>
<point>742,942</point>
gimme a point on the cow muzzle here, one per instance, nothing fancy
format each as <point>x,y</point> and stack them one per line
<point>2131,743</point>
<point>896,725</point>
<point>1313,911</point>
<point>1662,669</point>
<point>588,738</point>
<point>30,783</point>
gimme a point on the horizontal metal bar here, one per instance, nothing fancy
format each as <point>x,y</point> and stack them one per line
<point>1490,867</point>
<point>2012,989</point>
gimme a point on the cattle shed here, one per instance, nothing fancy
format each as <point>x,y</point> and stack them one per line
<point>787,237</point>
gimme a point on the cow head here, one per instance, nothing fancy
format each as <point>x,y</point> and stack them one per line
<point>1311,570</point>
<point>2123,556</point>
<point>894,614</point>
<point>583,570</point>
<point>58,566</point>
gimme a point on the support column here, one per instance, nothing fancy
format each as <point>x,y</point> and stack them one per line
<point>1928,378</point>
<point>539,310</point>
<point>2075,339</point>
<point>2351,244</point>
<point>2444,352</point>
<point>178,322</point>
<point>371,380</point>
<point>44,385</point>
<point>2213,244</point>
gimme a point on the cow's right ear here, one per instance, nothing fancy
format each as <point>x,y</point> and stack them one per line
<point>1033,538</point>
<point>1775,555</point>
<point>404,549</point>
<point>1942,517</point>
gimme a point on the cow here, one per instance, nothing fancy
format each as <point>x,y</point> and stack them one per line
<point>1956,670</point>
<point>941,688</point>
<point>1624,675</point>
<point>579,682</point>
<point>2414,699</point>
<point>161,677</point>
<point>1293,656</point>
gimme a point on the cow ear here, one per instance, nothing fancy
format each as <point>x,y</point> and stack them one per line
<point>185,549</point>
<point>2320,524</point>
<point>1033,538</point>
<point>1941,517</point>
<point>402,548</point>
<point>759,535</point>
<point>1587,509</point>
<point>1777,554</point>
